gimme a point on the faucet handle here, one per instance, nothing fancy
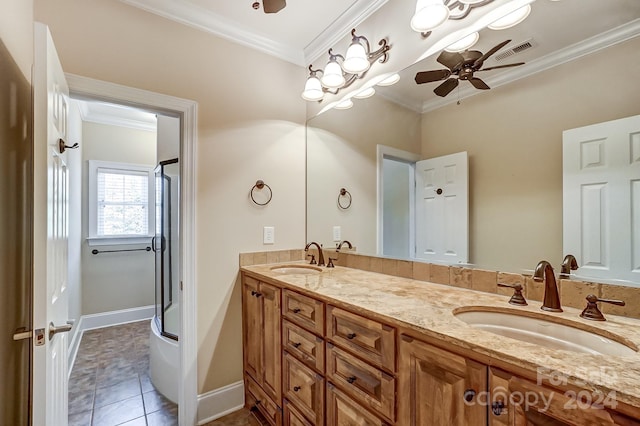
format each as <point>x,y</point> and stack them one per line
<point>313,259</point>
<point>591,312</point>
<point>330,263</point>
<point>517,298</point>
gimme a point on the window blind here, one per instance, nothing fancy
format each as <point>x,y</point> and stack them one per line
<point>123,200</point>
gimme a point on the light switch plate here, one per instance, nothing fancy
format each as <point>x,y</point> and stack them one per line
<point>268,235</point>
<point>337,233</point>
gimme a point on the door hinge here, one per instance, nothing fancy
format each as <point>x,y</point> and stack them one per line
<point>180,285</point>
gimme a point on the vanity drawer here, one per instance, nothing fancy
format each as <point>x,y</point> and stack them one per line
<point>364,337</point>
<point>304,311</point>
<point>342,410</point>
<point>370,386</point>
<point>304,388</point>
<point>293,417</point>
<point>255,397</point>
<point>305,346</point>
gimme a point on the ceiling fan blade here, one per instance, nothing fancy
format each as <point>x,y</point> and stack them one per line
<point>451,60</point>
<point>273,6</point>
<point>478,84</point>
<point>478,63</point>
<point>502,66</point>
<point>445,88</point>
<point>429,76</point>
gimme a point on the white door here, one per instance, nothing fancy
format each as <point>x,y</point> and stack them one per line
<point>50,235</point>
<point>601,198</point>
<point>442,209</point>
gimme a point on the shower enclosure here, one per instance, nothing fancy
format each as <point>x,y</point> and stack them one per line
<point>164,354</point>
<point>165,245</point>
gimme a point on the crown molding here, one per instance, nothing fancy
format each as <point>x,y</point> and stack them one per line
<point>591,45</point>
<point>341,27</point>
<point>117,116</point>
<point>205,20</point>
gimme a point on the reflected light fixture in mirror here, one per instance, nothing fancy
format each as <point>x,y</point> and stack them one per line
<point>464,43</point>
<point>391,80</point>
<point>429,15</point>
<point>346,104</point>
<point>366,93</point>
<point>511,19</point>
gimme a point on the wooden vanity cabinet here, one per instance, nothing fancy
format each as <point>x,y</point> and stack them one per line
<point>262,348</point>
<point>437,387</point>
<point>515,401</point>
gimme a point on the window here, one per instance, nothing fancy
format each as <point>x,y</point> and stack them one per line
<point>121,198</point>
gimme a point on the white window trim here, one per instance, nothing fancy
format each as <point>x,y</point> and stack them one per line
<point>93,239</point>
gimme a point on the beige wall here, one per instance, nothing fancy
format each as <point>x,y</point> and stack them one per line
<point>341,153</point>
<point>16,32</point>
<point>114,281</point>
<point>514,138</point>
<point>250,127</point>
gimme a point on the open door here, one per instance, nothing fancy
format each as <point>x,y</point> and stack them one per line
<point>442,209</point>
<point>50,235</point>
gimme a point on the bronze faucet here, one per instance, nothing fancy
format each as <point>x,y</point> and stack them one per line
<point>544,272</point>
<point>569,263</point>
<point>320,254</point>
<point>339,246</point>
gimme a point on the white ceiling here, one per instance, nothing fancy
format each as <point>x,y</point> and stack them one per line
<point>299,33</point>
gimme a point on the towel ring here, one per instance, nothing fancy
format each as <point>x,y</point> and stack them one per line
<point>260,185</point>
<point>344,194</point>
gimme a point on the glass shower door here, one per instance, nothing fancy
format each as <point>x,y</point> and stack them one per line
<point>165,247</point>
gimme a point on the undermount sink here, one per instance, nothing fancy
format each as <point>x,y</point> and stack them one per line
<point>533,328</point>
<point>296,269</point>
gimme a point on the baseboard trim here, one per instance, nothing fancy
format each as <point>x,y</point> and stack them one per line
<point>220,402</point>
<point>105,319</point>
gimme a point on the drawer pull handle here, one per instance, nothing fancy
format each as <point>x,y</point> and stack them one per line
<point>497,407</point>
<point>296,345</point>
<point>296,310</point>
<point>351,336</point>
<point>296,388</point>
<point>351,379</point>
<point>469,394</point>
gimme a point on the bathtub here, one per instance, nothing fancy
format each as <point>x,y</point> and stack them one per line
<point>164,363</point>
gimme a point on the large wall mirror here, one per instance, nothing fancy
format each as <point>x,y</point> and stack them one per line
<point>581,67</point>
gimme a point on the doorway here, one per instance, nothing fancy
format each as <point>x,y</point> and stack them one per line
<point>186,111</point>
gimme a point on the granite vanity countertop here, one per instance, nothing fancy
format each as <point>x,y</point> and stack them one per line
<point>428,308</point>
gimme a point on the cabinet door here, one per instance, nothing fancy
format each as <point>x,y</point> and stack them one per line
<point>271,361</point>
<point>437,387</point>
<point>252,324</point>
<point>304,388</point>
<point>537,405</point>
<point>343,411</point>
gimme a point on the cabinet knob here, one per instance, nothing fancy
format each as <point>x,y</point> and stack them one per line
<point>351,336</point>
<point>255,293</point>
<point>469,394</point>
<point>296,310</point>
<point>296,345</point>
<point>296,388</point>
<point>351,379</point>
<point>497,408</point>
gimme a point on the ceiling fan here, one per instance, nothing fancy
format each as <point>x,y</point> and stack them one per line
<point>271,6</point>
<point>462,65</point>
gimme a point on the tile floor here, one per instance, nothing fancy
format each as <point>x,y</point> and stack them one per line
<point>239,418</point>
<point>109,384</point>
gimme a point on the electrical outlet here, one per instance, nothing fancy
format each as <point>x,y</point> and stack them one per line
<point>337,234</point>
<point>268,235</point>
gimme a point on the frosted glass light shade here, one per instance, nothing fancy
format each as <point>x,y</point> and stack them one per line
<point>356,60</point>
<point>464,43</point>
<point>429,14</point>
<point>312,89</point>
<point>332,76</point>
<point>392,79</point>
<point>511,19</point>
<point>366,93</point>
<point>346,104</point>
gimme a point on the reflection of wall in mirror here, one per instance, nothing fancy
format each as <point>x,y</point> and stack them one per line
<point>341,153</point>
<point>513,135</point>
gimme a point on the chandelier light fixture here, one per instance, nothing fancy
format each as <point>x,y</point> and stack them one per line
<point>340,71</point>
